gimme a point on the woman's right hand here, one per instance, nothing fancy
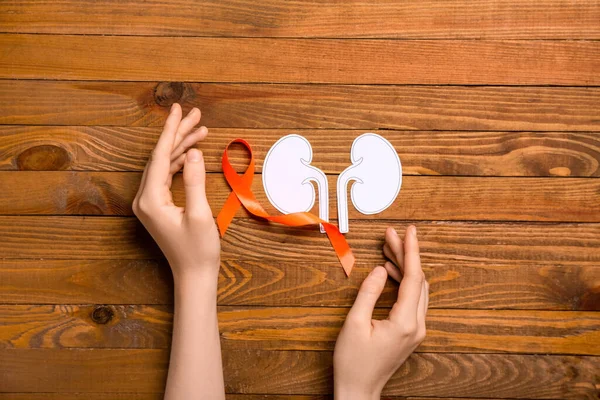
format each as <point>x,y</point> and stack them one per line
<point>368,351</point>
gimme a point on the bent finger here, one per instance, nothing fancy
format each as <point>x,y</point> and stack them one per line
<point>176,166</point>
<point>186,125</point>
<point>389,254</point>
<point>392,239</point>
<point>410,288</point>
<point>393,271</point>
<point>188,141</point>
<point>369,292</point>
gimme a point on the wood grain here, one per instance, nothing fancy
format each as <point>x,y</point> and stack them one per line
<point>350,61</point>
<point>97,396</point>
<point>99,148</point>
<point>296,328</point>
<point>548,19</point>
<point>490,101</point>
<point>450,243</point>
<point>421,198</point>
<point>159,396</point>
<point>289,372</point>
<point>542,286</point>
<point>303,106</point>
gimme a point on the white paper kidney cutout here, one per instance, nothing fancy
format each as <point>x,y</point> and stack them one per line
<point>287,176</point>
<point>377,174</point>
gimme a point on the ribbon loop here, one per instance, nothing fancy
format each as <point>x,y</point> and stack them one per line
<point>241,194</point>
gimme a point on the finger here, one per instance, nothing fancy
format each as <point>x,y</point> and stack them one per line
<point>395,245</point>
<point>393,271</point>
<point>194,180</point>
<point>389,254</point>
<point>160,161</point>
<point>175,167</point>
<point>177,164</point>
<point>188,141</point>
<point>369,292</point>
<point>412,280</point>
<point>186,125</point>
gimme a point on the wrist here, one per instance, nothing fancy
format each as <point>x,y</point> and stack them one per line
<point>196,280</point>
<point>196,271</point>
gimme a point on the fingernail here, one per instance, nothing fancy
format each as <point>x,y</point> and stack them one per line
<point>395,233</point>
<point>194,155</point>
<point>413,231</point>
<point>173,106</point>
<point>193,110</point>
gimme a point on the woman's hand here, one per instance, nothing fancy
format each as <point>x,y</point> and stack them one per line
<point>368,351</point>
<point>189,239</point>
<point>187,236</point>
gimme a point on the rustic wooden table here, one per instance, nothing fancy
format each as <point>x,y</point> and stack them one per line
<point>493,107</point>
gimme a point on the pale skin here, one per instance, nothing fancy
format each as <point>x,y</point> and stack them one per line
<point>367,352</point>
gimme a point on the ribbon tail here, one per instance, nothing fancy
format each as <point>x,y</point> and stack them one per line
<point>341,247</point>
<point>227,213</point>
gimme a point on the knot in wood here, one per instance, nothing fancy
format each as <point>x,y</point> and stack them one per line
<point>102,314</point>
<point>43,158</point>
<point>167,93</point>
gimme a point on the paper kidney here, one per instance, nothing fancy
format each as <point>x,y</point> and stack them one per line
<point>377,174</point>
<point>287,177</point>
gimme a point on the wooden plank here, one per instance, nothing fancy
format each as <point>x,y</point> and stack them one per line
<point>98,148</point>
<point>290,372</point>
<point>541,286</point>
<point>548,19</point>
<point>421,198</point>
<point>303,106</point>
<point>297,328</point>
<point>354,61</point>
<point>85,282</point>
<point>90,396</point>
<point>110,238</point>
<point>159,396</point>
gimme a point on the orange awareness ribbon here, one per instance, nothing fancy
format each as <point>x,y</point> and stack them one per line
<point>242,194</point>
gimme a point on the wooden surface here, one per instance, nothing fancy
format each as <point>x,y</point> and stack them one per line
<point>493,107</point>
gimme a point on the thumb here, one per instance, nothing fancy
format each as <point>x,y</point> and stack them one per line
<point>369,292</point>
<point>194,180</point>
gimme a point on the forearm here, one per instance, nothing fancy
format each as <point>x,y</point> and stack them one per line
<point>195,370</point>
